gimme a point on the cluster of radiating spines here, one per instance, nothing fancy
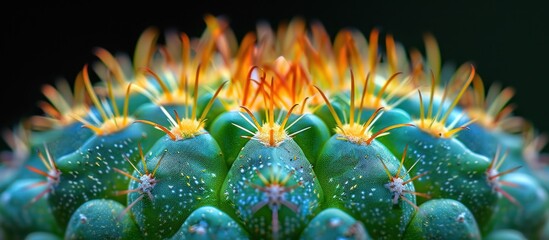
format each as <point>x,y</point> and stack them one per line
<point>121,70</point>
<point>160,72</point>
<point>292,84</point>
<point>189,125</point>
<point>215,53</point>
<point>396,184</point>
<point>436,120</point>
<point>424,73</point>
<point>146,181</point>
<point>18,140</point>
<point>389,77</point>
<point>215,47</point>
<point>111,119</point>
<point>307,60</point>
<point>52,174</point>
<point>493,174</point>
<point>326,66</point>
<point>271,132</point>
<point>534,142</point>
<point>63,104</point>
<point>355,130</point>
<point>278,56</point>
<point>275,189</point>
<point>491,109</point>
<point>310,58</point>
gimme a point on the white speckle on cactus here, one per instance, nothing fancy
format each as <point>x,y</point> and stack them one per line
<point>461,217</point>
<point>201,228</point>
<point>335,222</point>
<point>83,218</point>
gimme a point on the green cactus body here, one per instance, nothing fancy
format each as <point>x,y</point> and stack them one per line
<point>544,232</point>
<point>136,100</point>
<point>506,234</point>
<point>230,126</point>
<point>190,175</point>
<point>315,134</point>
<point>525,211</point>
<point>443,219</point>
<point>87,173</point>
<point>478,139</point>
<point>333,223</point>
<point>32,161</point>
<point>357,171</point>
<point>447,162</point>
<point>25,208</point>
<point>272,190</point>
<point>42,236</point>
<point>9,175</point>
<point>64,140</point>
<point>228,136</point>
<point>271,186</point>
<point>21,212</point>
<point>491,144</point>
<point>101,219</point>
<point>210,223</point>
<point>61,141</point>
<point>355,180</point>
<point>493,118</point>
<point>515,144</point>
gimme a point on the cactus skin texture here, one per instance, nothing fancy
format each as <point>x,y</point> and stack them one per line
<point>333,223</point>
<point>100,218</point>
<point>210,223</point>
<point>443,219</point>
<point>284,134</point>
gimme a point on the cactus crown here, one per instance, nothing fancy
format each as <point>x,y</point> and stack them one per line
<point>112,120</point>
<point>355,131</point>
<point>63,105</point>
<point>186,127</point>
<point>270,133</point>
<point>491,111</point>
<point>436,125</point>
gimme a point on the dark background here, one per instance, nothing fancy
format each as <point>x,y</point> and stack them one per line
<point>508,42</point>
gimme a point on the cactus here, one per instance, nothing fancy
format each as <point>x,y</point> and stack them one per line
<point>287,135</point>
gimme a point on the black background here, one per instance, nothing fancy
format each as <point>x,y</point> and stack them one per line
<point>507,41</point>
